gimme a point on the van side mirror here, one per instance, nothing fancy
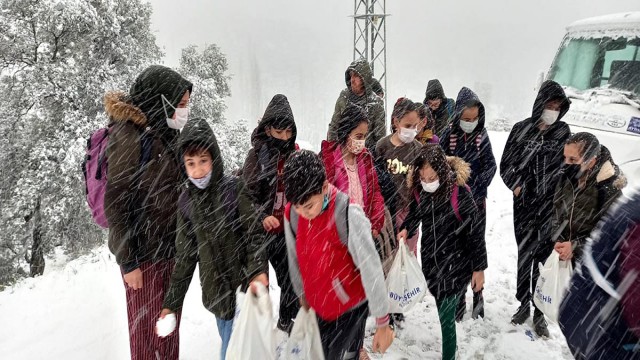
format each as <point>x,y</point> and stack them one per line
<point>539,80</point>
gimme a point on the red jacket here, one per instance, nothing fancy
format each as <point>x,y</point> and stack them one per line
<point>331,154</point>
<point>331,281</point>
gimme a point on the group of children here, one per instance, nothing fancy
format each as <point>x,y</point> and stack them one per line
<point>324,220</point>
<point>326,253</point>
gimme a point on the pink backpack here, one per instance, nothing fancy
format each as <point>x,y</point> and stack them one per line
<point>95,166</point>
<point>454,199</point>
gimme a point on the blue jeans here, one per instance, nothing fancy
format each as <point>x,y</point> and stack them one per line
<point>224,329</point>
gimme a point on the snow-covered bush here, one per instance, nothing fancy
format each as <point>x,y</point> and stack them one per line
<point>207,69</point>
<point>57,60</point>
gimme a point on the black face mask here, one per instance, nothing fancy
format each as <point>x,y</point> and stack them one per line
<point>573,171</point>
<point>282,145</point>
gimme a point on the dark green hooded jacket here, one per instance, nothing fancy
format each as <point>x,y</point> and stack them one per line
<point>141,203</point>
<point>577,211</point>
<point>370,102</point>
<point>229,255</point>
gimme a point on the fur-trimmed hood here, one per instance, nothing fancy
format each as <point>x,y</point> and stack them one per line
<point>460,169</point>
<point>460,172</point>
<point>119,110</point>
<point>606,172</point>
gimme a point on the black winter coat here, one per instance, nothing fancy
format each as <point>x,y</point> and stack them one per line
<point>451,249</point>
<point>532,158</point>
<point>474,148</point>
<point>260,169</point>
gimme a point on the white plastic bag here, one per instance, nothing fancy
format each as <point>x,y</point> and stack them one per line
<point>552,283</point>
<point>253,328</point>
<point>304,342</point>
<point>406,284</point>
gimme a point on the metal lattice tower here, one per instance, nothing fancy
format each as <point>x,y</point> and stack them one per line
<point>370,37</point>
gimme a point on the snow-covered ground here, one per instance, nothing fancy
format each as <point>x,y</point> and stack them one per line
<point>77,309</point>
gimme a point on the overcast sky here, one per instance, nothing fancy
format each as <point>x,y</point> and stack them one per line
<point>302,48</point>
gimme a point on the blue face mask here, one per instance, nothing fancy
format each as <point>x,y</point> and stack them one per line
<point>325,202</point>
<point>201,183</point>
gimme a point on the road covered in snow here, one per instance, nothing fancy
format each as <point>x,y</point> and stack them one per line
<point>77,309</point>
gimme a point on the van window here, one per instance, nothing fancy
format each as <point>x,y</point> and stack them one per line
<point>592,63</point>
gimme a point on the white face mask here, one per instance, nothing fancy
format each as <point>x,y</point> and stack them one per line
<point>407,135</point>
<point>468,126</point>
<point>202,182</point>
<point>549,116</point>
<point>181,118</point>
<point>430,187</point>
<point>181,115</point>
<point>356,146</point>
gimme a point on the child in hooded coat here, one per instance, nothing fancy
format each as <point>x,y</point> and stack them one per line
<point>141,202</point>
<point>273,140</point>
<point>228,249</point>
<point>468,139</point>
<point>453,250</point>
<point>350,166</point>
<point>530,167</point>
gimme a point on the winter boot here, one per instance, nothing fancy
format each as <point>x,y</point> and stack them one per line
<point>523,313</point>
<point>478,305</point>
<point>540,324</point>
<point>461,309</point>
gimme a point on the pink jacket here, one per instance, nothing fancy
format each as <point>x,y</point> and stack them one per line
<point>331,154</point>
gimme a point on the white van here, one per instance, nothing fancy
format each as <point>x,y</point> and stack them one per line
<point>598,64</point>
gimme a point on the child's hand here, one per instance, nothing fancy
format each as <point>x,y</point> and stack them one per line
<point>517,191</point>
<point>382,339</point>
<point>164,313</point>
<point>166,324</point>
<point>134,279</point>
<point>477,281</point>
<point>402,235</point>
<point>270,222</point>
<point>564,249</point>
<point>375,233</point>
<point>262,278</point>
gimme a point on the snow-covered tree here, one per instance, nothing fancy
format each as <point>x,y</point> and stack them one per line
<point>57,59</point>
<point>207,70</point>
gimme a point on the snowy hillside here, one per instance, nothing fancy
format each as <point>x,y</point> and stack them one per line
<point>77,310</point>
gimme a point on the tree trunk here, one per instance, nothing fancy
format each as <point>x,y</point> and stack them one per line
<point>36,263</point>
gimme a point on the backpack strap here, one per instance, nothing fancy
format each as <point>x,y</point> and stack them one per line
<point>416,195</point>
<point>103,156</point>
<point>293,220</point>
<point>341,216</point>
<point>455,203</point>
<point>146,147</point>
<point>478,141</point>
